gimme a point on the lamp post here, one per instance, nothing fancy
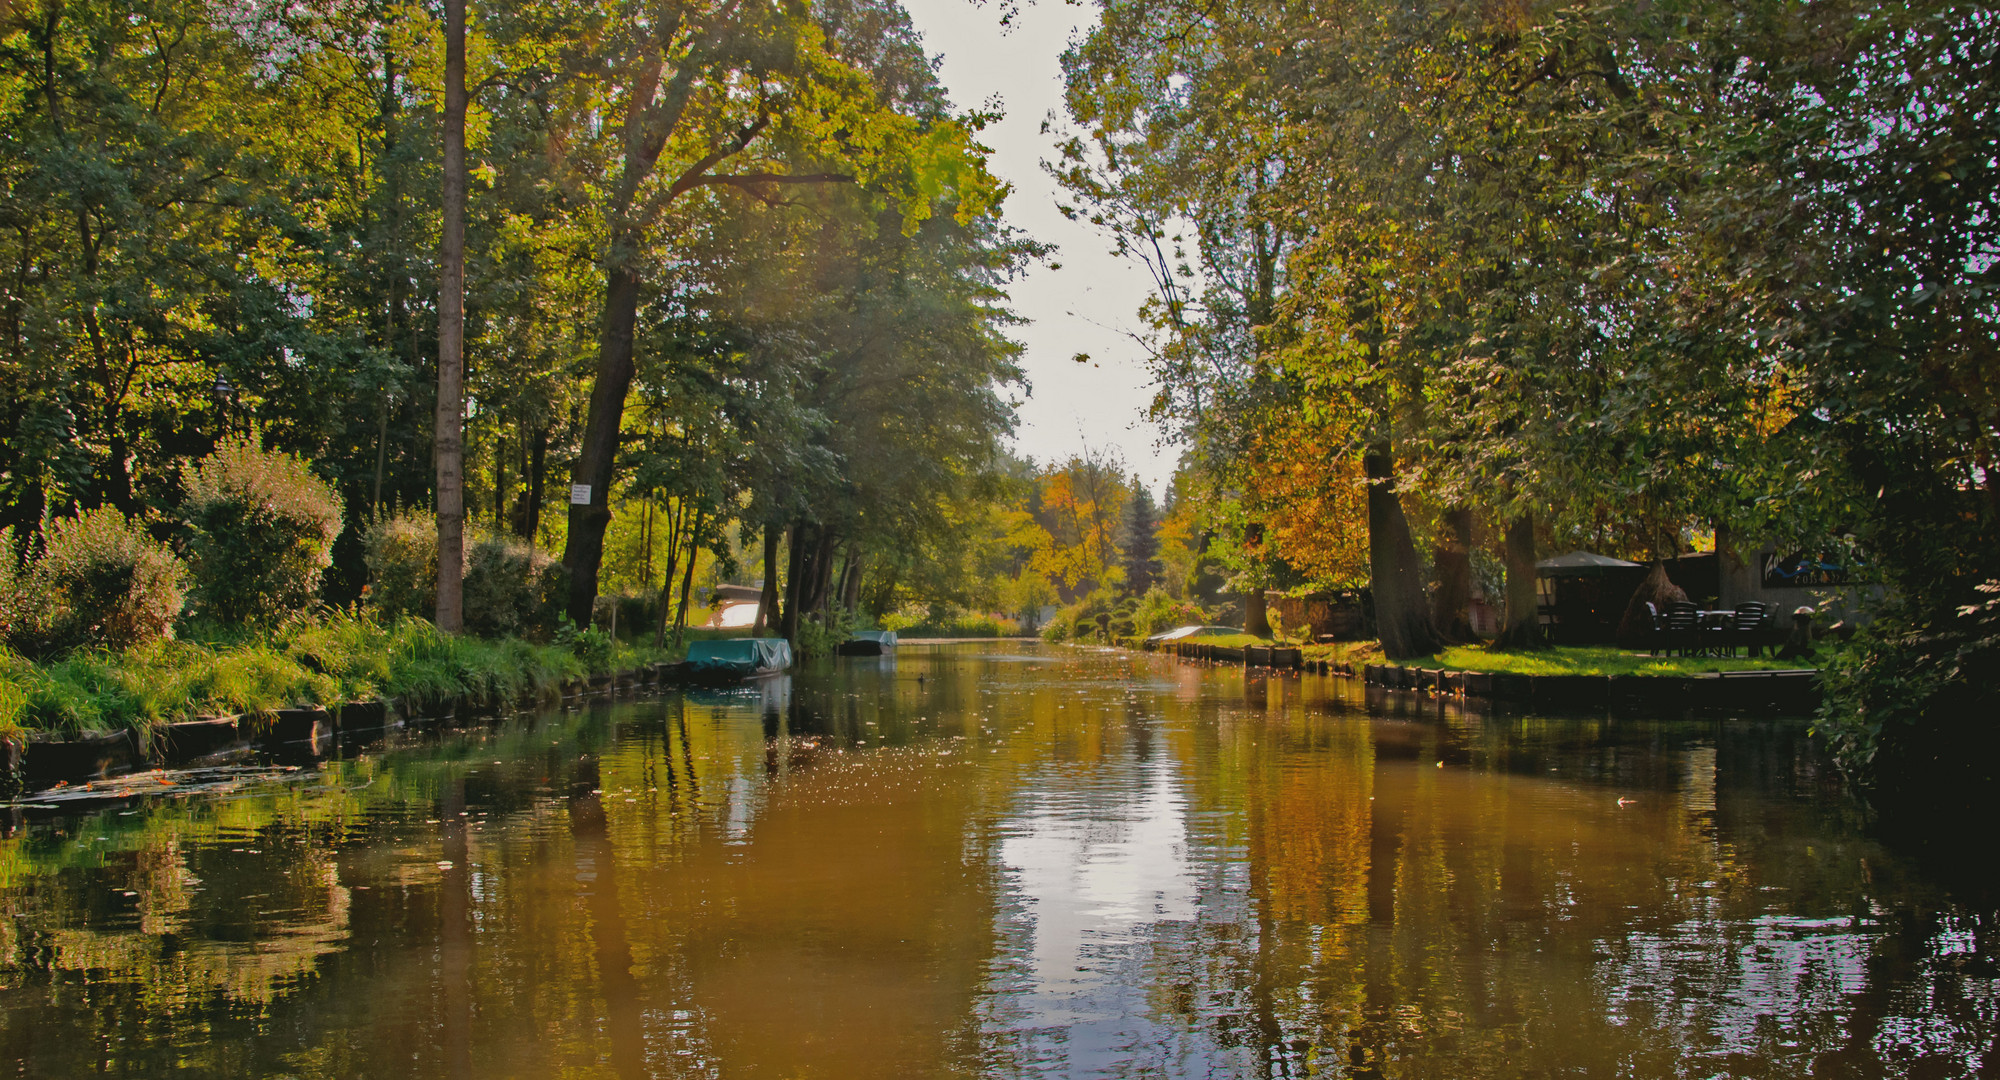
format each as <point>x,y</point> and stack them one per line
<point>225,396</point>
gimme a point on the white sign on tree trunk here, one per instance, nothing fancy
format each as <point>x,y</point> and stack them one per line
<point>579,494</point>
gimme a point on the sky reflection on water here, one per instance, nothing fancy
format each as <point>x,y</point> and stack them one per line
<point>1095,864</point>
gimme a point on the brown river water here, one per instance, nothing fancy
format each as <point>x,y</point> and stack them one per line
<point>998,860</point>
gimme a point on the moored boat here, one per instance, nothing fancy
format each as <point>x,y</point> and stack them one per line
<point>727,660</point>
<point>869,643</point>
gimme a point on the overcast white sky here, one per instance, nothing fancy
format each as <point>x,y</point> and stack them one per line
<point>1084,306</point>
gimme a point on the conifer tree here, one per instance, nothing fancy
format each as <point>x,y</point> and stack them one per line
<point>1142,541</point>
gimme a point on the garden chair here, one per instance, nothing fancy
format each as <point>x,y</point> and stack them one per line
<point>1656,627</point>
<point>1683,628</point>
<point>1751,626</point>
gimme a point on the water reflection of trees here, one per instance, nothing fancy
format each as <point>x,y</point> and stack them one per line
<point>1437,895</point>
<point>816,877</point>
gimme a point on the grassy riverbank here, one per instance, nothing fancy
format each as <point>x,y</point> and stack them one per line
<point>1566,660</point>
<point>323,661</point>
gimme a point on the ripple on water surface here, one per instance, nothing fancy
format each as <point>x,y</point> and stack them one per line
<point>994,860</point>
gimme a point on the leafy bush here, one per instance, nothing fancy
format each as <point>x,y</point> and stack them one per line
<point>1087,619</point>
<point>592,645</point>
<point>400,552</point>
<point>1908,704</point>
<point>102,581</point>
<point>938,622</point>
<point>511,589</point>
<point>263,530</point>
<point>1156,612</point>
<point>818,637</point>
<point>17,612</point>
<point>13,698</point>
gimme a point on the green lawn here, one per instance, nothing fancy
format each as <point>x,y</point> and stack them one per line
<point>1567,660</point>
<point>1585,660</point>
<point>1231,641</point>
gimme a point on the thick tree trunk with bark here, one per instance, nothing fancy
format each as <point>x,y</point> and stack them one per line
<point>846,573</point>
<point>1524,624</point>
<point>1451,606</point>
<point>1402,620</point>
<point>850,592</point>
<point>1256,613</point>
<point>451,337</point>
<point>767,601</point>
<point>583,552</point>
<point>822,576</point>
<point>798,538</point>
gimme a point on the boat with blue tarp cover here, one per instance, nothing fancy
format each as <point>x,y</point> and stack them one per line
<point>735,659</point>
<point>869,643</point>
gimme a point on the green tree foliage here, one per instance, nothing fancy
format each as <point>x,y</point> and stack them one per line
<point>401,554</point>
<point>1141,545</point>
<point>815,119</point>
<point>102,582</point>
<point>262,527</point>
<point>1602,272</point>
<point>511,589</point>
<point>733,262</point>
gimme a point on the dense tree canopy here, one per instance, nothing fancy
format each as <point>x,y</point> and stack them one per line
<point>725,263</point>
<point>1601,272</point>
<point>1435,283</point>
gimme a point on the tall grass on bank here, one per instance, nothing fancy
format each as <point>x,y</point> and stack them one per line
<point>333,658</point>
<point>949,626</point>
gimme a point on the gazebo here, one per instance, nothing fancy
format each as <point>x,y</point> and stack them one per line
<point>1581,596</point>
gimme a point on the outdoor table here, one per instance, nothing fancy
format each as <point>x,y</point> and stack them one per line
<point>1712,632</point>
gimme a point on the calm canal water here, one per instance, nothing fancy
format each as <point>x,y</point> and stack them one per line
<point>998,860</point>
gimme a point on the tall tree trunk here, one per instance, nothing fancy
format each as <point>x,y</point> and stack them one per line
<point>451,337</point>
<point>667,578</point>
<point>583,551</point>
<point>1402,621</point>
<point>118,474</point>
<point>850,591</point>
<point>499,483</point>
<point>646,541</point>
<point>393,316</point>
<point>687,575</point>
<point>1524,624</point>
<point>788,614</point>
<point>767,600</point>
<point>846,571</point>
<point>822,579</point>
<point>529,524</point>
<point>1256,613</point>
<point>381,449</point>
<point>1453,556</point>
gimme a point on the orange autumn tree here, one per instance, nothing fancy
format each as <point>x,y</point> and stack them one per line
<point>1312,498</point>
<point>1070,522</point>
